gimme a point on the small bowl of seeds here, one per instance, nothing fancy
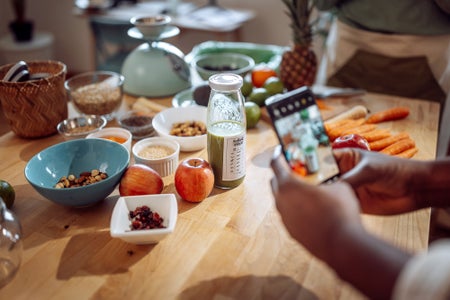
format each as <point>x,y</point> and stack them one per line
<point>80,127</point>
<point>161,154</point>
<point>138,123</point>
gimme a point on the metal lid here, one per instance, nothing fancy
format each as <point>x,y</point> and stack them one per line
<point>225,82</point>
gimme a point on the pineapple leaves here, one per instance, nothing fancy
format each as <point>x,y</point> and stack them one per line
<point>300,13</point>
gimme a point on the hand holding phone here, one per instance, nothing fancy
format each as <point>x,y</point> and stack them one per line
<point>300,130</point>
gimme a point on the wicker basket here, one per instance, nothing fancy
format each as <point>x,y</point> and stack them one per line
<point>34,108</point>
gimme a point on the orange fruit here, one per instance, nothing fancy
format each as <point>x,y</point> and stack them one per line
<point>260,75</point>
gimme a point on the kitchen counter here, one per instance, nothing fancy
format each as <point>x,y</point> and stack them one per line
<point>232,245</point>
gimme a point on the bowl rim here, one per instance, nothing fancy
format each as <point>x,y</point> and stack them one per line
<point>132,113</point>
<point>136,20</point>
<point>92,74</point>
<point>249,59</point>
<point>109,178</point>
<point>110,130</point>
<point>98,118</point>
<point>157,140</point>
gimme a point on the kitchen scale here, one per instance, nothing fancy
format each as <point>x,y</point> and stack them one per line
<point>155,68</point>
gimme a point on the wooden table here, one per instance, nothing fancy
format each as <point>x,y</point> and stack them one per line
<point>231,246</point>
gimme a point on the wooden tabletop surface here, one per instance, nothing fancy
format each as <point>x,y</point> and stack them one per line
<point>231,246</point>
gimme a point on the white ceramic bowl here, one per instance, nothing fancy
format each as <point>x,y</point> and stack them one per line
<point>151,25</point>
<point>112,133</point>
<point>165,165</point>
<point>164,204</point>
<point>164,120</point>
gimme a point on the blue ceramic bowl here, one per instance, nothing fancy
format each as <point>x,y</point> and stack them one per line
<point>45,169</point>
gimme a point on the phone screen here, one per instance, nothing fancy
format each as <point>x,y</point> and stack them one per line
<point>300,130</point>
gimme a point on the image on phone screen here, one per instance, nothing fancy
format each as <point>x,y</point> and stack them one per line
<point>300,129</point>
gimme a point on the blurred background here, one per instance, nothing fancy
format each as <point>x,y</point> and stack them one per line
<point>73,41</point>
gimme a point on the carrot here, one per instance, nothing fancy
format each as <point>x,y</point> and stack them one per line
<point>399,146</point>
<point>408,153</point>
<point>383,143</point>
<point>360,129</point>
<point>329,126</point>
<point>391,114</point>
<point>376,134</point>
<point>337,132</point>
<point>321,105</point>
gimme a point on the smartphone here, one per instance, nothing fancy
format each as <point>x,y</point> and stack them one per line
<point>299,126</point>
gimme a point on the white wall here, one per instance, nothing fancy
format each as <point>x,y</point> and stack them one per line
<point>73,42</point>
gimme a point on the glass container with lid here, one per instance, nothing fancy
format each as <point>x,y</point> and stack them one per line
<point>10,245</point>
<point>226,130</point>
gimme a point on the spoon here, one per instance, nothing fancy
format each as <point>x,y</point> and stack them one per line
<point>19,68</point>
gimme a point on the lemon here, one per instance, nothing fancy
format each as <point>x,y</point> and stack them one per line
<point>274,85</point>
<point>259,95</point>
<point>246,88</point>
<point>7,193</point>
<point>252,113</point>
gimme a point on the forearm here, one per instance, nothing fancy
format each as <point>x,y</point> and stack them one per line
<point>432,185</point>
<point>368,263</point>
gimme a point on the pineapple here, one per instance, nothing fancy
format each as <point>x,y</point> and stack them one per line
<point>299,65</point>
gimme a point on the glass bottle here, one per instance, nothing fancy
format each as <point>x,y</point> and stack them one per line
<point>308,143</point>
<point>10,245</point>
<point>226,130</point>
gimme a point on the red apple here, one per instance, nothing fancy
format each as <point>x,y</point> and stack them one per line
<point>351,141</point>
<point>140,179</point>
<point>194,179</point>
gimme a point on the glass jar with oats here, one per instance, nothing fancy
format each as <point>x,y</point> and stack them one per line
<point>96,93</point>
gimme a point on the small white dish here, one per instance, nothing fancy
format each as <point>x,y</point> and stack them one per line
<point>151,25</point>
<point>163,204</point>
<point>164,120</point>
<point>163,163</point>
<point>116,134</point>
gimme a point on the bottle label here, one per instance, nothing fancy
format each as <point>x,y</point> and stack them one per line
<point>233,157</point>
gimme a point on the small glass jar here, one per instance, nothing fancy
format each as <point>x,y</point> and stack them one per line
<point>10,245</point>
<point>226,130</point>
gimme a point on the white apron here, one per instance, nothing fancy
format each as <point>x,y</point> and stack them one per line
<point>345,44</point>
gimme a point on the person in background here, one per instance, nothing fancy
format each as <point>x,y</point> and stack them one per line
<point>393,47</point>
<point>326,220</point>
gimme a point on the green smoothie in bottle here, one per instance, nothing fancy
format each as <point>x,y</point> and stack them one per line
<point>226,130</point>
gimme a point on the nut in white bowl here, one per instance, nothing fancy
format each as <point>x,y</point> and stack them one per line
<point>164,204</point>
<point>161,154</point>
<point>164,121</point>
<point>115,134</point>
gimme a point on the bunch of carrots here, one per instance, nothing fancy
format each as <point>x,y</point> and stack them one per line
<point>356,121</point>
